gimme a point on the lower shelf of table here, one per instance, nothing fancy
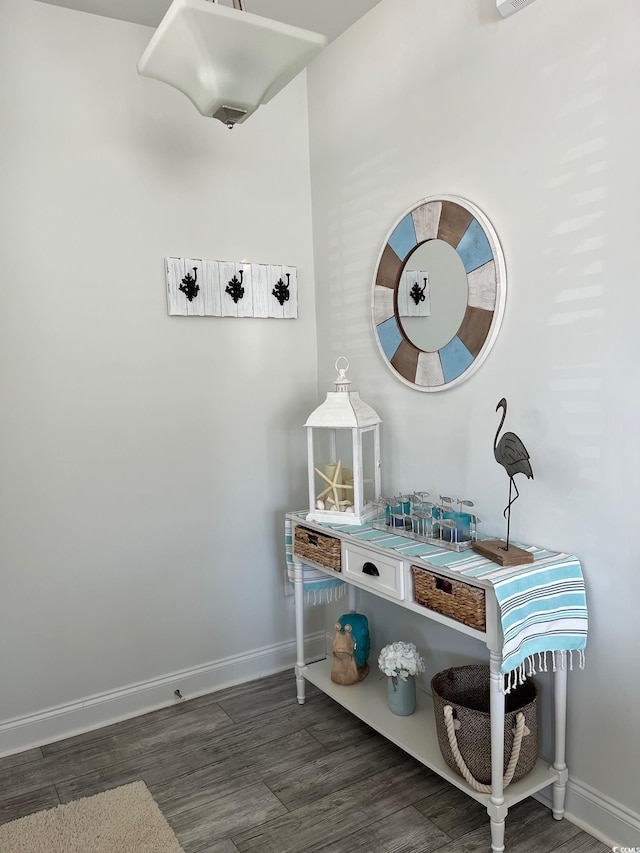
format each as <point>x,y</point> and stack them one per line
<point>415,734</point>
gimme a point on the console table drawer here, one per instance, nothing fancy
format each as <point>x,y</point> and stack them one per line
<point>453,598</point>
<point>375,572</point>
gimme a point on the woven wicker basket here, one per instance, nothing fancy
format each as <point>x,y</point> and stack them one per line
<point>460,601</point>
<point>317,548</point>
<point>466,690</point>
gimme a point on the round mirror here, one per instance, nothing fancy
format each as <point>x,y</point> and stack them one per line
<point>438,293</point>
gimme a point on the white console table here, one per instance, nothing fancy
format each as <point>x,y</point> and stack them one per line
<point>391,579</point>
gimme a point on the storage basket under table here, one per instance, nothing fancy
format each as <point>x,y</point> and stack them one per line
<point>465,690</point>
<point>458,600</point>
<point>317,548</point>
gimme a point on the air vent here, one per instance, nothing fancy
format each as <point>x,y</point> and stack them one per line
<point>510,7</point>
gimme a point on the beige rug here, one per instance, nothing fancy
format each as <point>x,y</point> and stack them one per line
<point>123,820</point>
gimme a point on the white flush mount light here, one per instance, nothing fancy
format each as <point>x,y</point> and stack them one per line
<point>225,60</point>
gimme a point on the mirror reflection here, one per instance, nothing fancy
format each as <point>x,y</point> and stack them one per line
<point>432,295</point>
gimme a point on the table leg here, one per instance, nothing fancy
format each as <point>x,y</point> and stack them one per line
<point>560,720</point>
<point>298,598</point>
<point>352,598</point>
<point>496,807</point>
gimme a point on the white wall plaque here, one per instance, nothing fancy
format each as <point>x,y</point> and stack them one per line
<point>200,288</point>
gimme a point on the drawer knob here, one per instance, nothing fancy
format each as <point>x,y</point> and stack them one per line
<point>444,585</point>
<point>371,569</point>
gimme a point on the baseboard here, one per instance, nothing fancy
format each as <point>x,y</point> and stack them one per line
<point>94,712</point>
<point>599,815</point>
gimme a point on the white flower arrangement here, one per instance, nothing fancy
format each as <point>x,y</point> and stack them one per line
<point>400,660</point>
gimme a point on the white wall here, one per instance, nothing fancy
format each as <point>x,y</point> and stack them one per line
<point>146,461</point>
<point>132,441</point>
<point>530,118</point>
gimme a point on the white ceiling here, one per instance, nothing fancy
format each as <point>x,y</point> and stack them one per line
<point>330,17</point>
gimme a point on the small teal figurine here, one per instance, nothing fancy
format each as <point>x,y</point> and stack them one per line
<point>351,647</point>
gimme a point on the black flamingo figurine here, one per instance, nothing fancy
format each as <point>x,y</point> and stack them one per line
<point>511,453</point>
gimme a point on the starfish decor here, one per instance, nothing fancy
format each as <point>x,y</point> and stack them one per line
<point>334,485</point>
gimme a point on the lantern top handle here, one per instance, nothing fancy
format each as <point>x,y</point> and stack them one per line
<point>342,383</point>
<point>342,370</point>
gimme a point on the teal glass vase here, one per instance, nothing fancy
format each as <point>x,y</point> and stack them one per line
<point>401,695</point>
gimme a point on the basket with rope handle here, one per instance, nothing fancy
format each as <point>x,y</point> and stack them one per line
<point>463,725</point>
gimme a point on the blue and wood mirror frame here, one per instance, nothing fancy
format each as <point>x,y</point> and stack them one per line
<point>467,230</point>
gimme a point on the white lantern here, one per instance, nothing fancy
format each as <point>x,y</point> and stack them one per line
<point>343,441</point>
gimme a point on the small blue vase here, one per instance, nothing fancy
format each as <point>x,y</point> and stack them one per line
<point>401,695</point>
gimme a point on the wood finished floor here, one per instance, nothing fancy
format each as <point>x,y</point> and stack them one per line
<point>248,769</point>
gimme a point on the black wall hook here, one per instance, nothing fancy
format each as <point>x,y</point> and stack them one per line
<point>235,289</point>
<point>281,290</point>
<point>189,286</point>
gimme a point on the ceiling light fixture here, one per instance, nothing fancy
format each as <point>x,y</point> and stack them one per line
<point>225,60</point>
